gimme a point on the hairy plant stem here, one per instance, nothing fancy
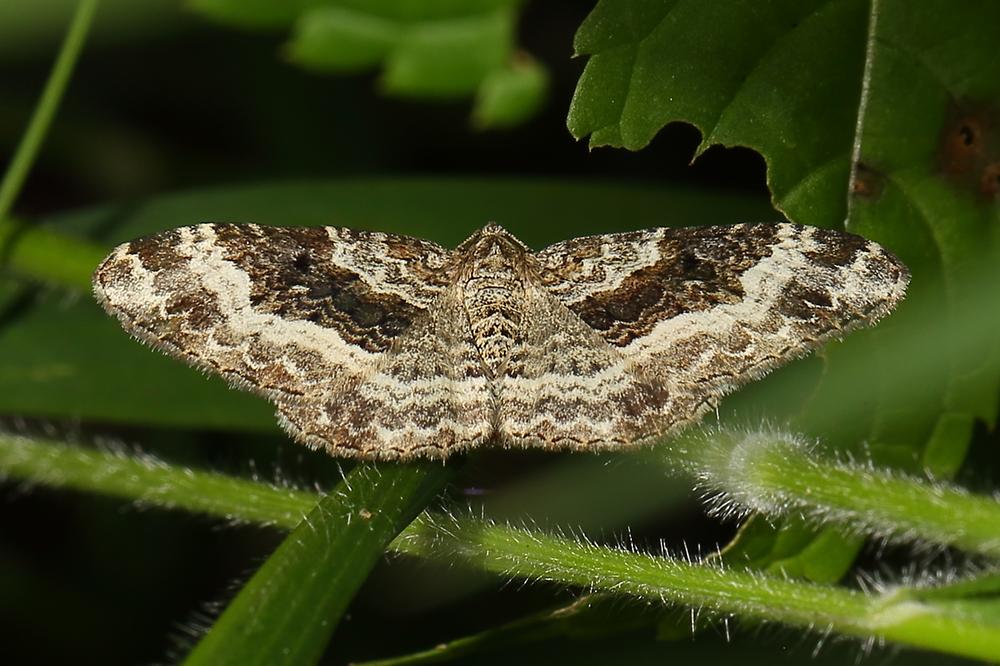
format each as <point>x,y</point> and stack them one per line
<point>150,482</point>
<point>904,615</point>
<point>893,615</point>
<point>778,474</point>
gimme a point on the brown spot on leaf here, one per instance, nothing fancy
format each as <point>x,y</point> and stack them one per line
<point>867,183</point>
<point>969,148</point>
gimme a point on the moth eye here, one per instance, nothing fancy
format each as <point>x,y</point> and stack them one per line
<point>303,262</point>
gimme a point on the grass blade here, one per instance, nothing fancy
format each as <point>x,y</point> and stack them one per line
<point>288,610</point>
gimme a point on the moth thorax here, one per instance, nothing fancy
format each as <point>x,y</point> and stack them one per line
<point>494,296</point>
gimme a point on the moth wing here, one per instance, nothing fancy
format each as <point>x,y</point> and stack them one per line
<point>428,396</point>
<point>286,312</point>
<point>565,387</point>
<point>707,309</point>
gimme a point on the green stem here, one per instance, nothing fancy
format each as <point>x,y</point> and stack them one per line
<point>27,150</point>
<point>910,616</point>
<point>777,474</point>
<point>519,553</point>
<point>149,481</point>
<point>288,610</point>
<point>885,502</point>
<point>533,555</point>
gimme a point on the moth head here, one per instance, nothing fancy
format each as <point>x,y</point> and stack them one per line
<point>492,239</point>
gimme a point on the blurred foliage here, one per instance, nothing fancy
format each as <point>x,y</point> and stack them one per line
<point>427,50</point>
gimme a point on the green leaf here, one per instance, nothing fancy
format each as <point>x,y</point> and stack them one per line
<point>449,59</point>
<point>511,95</point>
<point>288,610</point>
<point>338,39</point>
<point>65,358</point>
<point>594,493</point>
<point>41,254</point>
<point>445,56</point>
<point>796,548</point>
<point>70,360</point>
<point>932,197</point>
<point>918,187</point>
<point>782,77</point>
<point>816,87</point>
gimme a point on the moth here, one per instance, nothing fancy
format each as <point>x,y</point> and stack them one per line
<point>380,346</point>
